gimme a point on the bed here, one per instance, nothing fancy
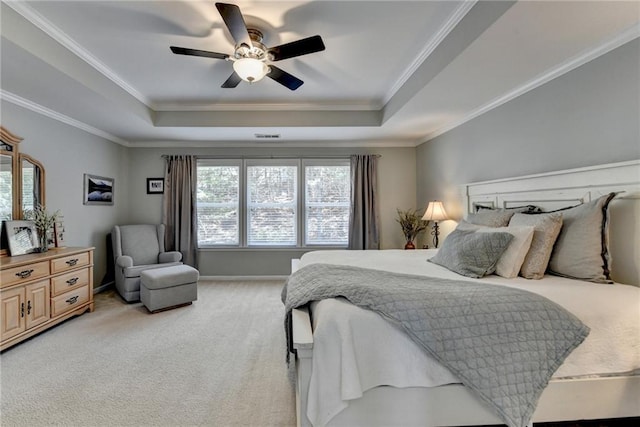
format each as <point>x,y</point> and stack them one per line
<point>345,377</point>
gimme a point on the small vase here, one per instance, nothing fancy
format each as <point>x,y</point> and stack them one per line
<point>409,245</point>
<point>44,244</point>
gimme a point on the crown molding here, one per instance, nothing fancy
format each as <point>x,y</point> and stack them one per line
<point>30,14</point>
<point>453,20</point>
<point>37,108</point>
<point>576,61</point>
<point>279,144</point>
<point>268,107</point>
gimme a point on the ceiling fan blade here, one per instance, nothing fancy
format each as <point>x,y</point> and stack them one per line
<point>233,81</point>
<point>297,48</point>
<point>196,52</point>
<point>284,78</point>
<point>232,17</point>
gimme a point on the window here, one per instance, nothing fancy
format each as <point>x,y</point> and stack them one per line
<point>272,197</point>
<point>218,203</point>
<point>327,203</point>
<point>273,202</point>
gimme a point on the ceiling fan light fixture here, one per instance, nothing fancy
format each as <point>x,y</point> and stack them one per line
<point>250,69</point>
<point>251,56</point>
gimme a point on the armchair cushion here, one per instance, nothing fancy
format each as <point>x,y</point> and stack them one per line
<point>141,243</point>
<point>135,270</point>
<point>171,256</point>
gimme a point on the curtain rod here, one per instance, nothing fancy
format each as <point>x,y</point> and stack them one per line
<point>243,157</point>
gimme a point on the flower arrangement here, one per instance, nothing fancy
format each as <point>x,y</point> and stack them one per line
<point>411,223</point>
<point>43,222</point>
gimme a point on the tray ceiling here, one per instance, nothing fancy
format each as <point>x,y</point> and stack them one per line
<point>393,72</point>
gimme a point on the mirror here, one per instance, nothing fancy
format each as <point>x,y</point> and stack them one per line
<point>6,187</point>
<point>21,181</point>
<point>32,182</point>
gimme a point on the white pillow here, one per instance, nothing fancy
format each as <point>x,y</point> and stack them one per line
<point>511,260</point>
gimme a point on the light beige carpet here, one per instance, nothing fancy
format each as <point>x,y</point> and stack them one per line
<point>218,362</point>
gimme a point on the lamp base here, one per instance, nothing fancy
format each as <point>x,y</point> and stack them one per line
<point>435,233</point>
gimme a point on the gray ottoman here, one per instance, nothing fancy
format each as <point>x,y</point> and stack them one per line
<point>168,287</point>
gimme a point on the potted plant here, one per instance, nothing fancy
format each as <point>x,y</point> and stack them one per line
<point>43,222</point>
<point>412,225</point>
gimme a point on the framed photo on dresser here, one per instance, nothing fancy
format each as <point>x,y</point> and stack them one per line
<point>58,230</point>
<point>22,237</point>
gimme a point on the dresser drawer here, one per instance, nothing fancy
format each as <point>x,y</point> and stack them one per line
<point>68,281</point>
<point>59,265</point>
<point>26,273</point>
<point>69,300</point>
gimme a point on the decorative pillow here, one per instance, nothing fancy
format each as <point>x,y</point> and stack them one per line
<point>582,248</point>
<point>466,226</point>
<point>471,254</point>
<point>546,229</point>
<point>491,217</point>
<point>511,260</point>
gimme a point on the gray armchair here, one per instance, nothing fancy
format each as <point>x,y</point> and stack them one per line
<point>137,248</point>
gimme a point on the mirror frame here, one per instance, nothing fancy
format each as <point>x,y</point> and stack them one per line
<point>16,170</point>
<point>13,141</point>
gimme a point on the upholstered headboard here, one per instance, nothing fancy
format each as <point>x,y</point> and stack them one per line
<point>570,187</point>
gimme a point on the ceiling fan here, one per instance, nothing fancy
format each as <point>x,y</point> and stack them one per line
<point>252,59</point>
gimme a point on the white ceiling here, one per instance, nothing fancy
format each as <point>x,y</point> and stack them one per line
<point>393,73</point>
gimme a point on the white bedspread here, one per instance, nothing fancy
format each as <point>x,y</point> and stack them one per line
<point>356,349</point>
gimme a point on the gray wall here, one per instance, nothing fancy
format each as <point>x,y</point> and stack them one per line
<point>67,153</point>
<point>586,117</point>
<point>397,189</point>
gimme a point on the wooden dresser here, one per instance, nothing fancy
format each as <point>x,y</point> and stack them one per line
<point>38,291</point>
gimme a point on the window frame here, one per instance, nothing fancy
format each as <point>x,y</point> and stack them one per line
<point>244,163</point>
<point>303,211</point>
<point>221,163</point>
<point>255,162</point>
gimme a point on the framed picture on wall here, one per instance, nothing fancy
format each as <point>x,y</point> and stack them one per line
<point>98,190</point>
<point>155,185</point>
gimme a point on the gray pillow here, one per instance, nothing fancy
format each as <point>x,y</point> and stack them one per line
<point>582,248</point>
<point>546,228</point>
<point>471,254</point>
<point>491,217</point>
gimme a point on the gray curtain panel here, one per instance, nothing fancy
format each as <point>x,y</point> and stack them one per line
<point>364,222</point>
<point>179,207</point>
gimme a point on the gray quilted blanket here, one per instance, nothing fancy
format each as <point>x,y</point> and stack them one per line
<point>503,343</point>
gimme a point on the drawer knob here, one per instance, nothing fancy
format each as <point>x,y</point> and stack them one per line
<point>24,274</point>
<point>72,262</point>
<point>72,300</point>
<point>72,281</point>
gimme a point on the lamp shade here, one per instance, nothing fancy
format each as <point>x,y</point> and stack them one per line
<point>435,212</point>
<point>250,69</point>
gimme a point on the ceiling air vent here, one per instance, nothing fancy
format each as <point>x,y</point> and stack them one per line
<point>267,135</point>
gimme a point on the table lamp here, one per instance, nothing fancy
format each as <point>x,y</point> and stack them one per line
<point>435,212</point>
